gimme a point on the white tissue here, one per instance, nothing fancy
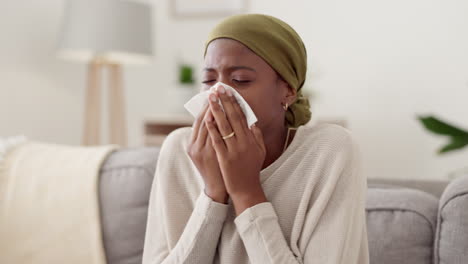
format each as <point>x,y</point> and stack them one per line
<point>196,104</point>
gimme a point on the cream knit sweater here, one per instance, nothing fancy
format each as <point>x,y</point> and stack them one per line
<point>315,213</point>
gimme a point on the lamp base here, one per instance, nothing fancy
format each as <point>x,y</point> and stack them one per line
<point>92,121</point>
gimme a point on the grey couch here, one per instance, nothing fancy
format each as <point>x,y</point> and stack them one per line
<point>414,222</point>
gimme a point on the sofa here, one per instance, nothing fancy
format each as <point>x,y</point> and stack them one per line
<point>413,222</point>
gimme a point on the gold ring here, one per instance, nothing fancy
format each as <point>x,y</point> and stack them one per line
<point>229,136</point>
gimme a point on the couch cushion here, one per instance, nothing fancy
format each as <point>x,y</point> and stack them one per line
<point>451,243</point>
<point>401,225</point>
<point>124,190</point>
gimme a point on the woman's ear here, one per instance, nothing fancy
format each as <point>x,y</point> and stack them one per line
<point>289,94</point>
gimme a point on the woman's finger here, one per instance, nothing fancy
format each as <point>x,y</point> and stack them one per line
<point>239,109</point>
<point>216,139</point>
<point>235,117</point>
<point>208,117</point>
<point>197,123</point>
<point>224,127</point>
<point>203,132</point>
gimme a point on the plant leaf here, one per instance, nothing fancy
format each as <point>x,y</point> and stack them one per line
<point>456,143</point>
<point>438,126</point>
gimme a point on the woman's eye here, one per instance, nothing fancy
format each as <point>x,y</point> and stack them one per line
<point>207,81</point>
<point>241,81</point>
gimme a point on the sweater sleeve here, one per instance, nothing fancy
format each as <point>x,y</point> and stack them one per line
<point>333,231</point>
<point>198,242</point>
<point>197,232</point>
<point>262,236</point>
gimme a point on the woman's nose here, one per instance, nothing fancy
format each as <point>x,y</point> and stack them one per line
<point>225,80</point>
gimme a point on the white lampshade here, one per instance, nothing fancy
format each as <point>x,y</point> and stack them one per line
<point>114,30</point>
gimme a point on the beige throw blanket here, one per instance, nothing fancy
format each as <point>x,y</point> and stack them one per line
<point>49,210</point>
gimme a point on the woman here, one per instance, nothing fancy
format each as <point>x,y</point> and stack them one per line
<point>277,192</point>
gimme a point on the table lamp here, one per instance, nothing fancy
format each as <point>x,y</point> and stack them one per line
<point>106,34</point>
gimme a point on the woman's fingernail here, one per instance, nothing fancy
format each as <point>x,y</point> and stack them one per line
<point>209,118</point>
<point>229,92</point>
<point>221,89</point>
<point>213,97</point>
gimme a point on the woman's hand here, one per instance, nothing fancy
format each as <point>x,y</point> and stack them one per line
<point>241,156</point>
<point>203,155</point>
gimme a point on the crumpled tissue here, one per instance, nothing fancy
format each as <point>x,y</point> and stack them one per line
<point>195,104</point>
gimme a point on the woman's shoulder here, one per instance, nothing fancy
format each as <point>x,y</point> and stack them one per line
<point>326,140</point>
<point>332,146</point>
<point>326,133</point>
<point>178,138</point>
<point>174,164</point>
<point>175,144</point>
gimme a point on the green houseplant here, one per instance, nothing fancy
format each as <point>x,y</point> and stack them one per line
<point>186,75</point>
<point>458,138</point>
<point>185,87</point>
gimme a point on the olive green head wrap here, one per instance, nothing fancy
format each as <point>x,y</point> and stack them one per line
<point>279,45</point>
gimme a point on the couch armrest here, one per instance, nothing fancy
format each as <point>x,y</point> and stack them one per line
<point>451,244</point>
<point>124,189</point>
<point>401,225</point>
<point>434,187</point>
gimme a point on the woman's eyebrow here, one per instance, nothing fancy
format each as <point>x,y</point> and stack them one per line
<point>232,68</point>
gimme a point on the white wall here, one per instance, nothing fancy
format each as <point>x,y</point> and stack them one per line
<point>376,63</point>
<point>379,63</point>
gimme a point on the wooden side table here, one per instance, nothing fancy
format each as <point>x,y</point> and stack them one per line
<point>156,130</point>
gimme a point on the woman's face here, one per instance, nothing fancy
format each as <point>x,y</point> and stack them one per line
<point>232,63</point>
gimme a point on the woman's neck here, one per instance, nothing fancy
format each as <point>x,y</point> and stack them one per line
<point>274,143</point>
